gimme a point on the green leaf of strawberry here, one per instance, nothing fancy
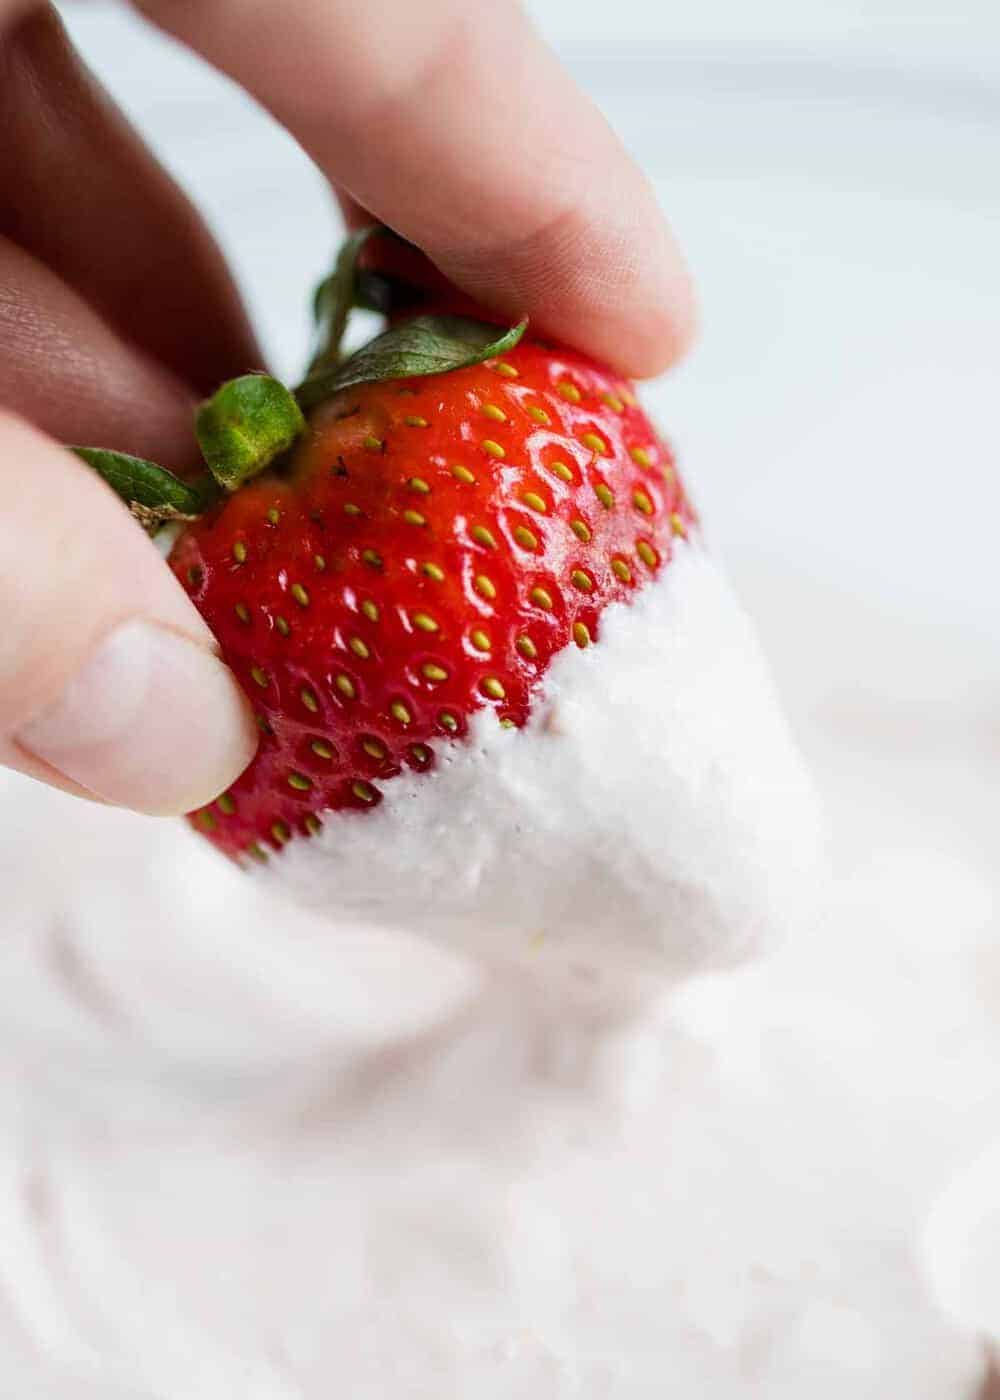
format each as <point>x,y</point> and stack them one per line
<point>153,494</point>
<point>425,345</point>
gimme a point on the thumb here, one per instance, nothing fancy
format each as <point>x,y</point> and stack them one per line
<point>110,685</point>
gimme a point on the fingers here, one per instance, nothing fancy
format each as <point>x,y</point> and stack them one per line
<point>109,683</point>
<point>11,10</point>
<point>81,193</point>
<point>455,124</point>
<point>66,370</point>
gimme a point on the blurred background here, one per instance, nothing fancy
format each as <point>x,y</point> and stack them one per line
<point>832,171</point>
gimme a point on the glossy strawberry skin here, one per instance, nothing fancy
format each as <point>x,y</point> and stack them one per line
<point>430,547</point>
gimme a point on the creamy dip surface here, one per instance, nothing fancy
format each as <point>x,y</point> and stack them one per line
<point>653,816</point>
<point>249,1150</point>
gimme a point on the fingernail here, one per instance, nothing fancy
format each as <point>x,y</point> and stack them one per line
<point>152,721</point>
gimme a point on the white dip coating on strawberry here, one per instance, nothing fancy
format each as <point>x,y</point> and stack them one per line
<point>653,812</point>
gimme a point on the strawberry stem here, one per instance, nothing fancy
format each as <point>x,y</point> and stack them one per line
<point>337,294</point>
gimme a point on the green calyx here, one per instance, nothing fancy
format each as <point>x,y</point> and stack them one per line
<point>244,426</point>
<point>251,422</point>
<point>242,429</point>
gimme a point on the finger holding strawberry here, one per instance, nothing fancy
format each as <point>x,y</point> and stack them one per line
<point>118,314</point>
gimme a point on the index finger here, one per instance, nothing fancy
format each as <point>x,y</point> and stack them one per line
<point>456,125</point>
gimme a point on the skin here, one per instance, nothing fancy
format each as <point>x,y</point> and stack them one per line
<point>110,330</point>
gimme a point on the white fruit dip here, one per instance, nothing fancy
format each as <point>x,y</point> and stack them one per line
<point>251,1150</point>
<point>653,813</point>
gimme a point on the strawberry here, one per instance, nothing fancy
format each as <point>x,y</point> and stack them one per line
<point>418,549</point>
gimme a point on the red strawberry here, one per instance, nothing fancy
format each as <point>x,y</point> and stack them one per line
<point>431,545</point>
<point>425,549</point>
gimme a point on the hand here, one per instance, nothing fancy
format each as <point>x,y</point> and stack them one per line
<point>452,123</point>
